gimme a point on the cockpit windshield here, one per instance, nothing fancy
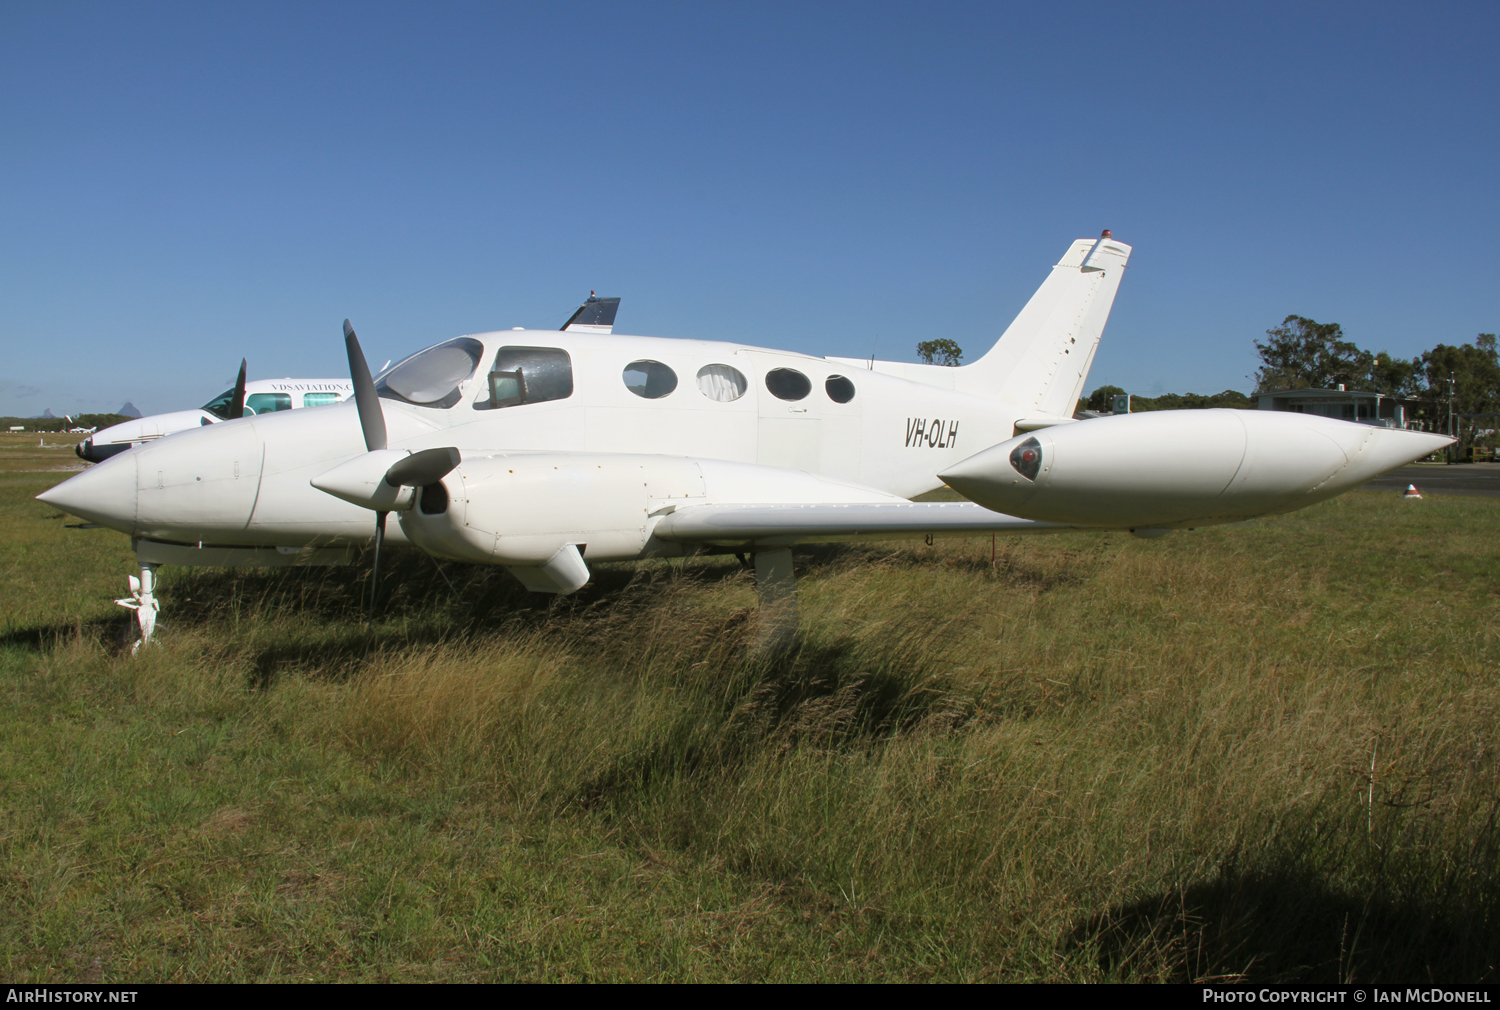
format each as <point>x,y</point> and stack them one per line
<point>430,378</point>
<point>219,405</point>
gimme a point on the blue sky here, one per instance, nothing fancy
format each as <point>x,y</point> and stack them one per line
<point>186,184</point>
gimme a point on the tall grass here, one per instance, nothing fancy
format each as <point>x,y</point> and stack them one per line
<point>1264,752</point>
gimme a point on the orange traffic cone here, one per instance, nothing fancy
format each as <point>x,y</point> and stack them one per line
<point>1411,492</point>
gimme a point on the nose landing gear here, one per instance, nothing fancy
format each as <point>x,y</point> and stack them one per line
<point>142,600</point>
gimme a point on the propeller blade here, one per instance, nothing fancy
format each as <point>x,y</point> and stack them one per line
<point>237,402</point>
<point>422,468</point>
<point>371,419</point>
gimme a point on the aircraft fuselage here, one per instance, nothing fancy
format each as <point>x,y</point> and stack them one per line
<point>245,482</point>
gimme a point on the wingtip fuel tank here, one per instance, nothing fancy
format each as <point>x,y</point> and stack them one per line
<point>1181,468</point>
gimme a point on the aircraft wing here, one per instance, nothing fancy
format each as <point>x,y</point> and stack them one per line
<point>746,525</point>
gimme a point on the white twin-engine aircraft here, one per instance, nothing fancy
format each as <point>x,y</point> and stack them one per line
<point>543,450</point>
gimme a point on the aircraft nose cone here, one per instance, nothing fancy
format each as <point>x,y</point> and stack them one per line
<point>103,494</point>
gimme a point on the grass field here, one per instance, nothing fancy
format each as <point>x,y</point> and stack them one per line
<point>1260,752</point>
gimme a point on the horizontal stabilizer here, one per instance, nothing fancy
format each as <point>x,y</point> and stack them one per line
<point>1038,423</point>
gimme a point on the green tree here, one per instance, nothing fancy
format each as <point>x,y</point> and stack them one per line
<point>940,352</point>
<point>1475,370</point>
<point>1099,399</point>
<point>1192,401</point>
<point>1396,376</point>
<point>1302,353</point>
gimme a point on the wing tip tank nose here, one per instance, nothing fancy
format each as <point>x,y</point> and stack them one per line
<point>1399,446</point>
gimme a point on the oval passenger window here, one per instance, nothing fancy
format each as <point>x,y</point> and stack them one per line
<point>721,382</point>
<point>650,379</point>
<point>840,389</point>
<point>788,384</point>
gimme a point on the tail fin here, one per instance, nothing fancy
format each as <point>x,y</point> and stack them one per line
<point>595,315</point>
<point>1042,359</point>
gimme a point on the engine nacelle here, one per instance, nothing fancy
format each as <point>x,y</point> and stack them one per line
<point>1179,468</point>
<point>522,508</point>
<point>528,510</point>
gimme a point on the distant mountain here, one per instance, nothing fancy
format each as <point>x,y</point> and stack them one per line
<point>47,413</point>
<point>129,410</point>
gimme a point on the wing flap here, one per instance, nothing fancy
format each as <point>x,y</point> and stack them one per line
<point>737,525</point>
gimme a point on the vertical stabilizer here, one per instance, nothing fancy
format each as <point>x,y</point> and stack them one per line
<point>1042,359</point>
<point>595,315</point>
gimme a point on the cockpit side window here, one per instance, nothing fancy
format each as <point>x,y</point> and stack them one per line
<point>430,378</point>
<point>527,375</point>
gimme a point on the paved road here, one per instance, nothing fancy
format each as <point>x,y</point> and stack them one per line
<point>1460,478</point>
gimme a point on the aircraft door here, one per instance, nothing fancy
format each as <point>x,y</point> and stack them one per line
<point>843,423</point>
<point>790,403</point>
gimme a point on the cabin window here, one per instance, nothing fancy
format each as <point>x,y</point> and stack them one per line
<point>527,375</point>
<point>430,378</point>
<point>840,389</point>
<point>319,399</point>
<point>266,403</point>
<point>650,379</point>
<point>788,384</point>
<point>721,382</point>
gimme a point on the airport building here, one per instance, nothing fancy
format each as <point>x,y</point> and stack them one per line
<point>1359,405</point>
